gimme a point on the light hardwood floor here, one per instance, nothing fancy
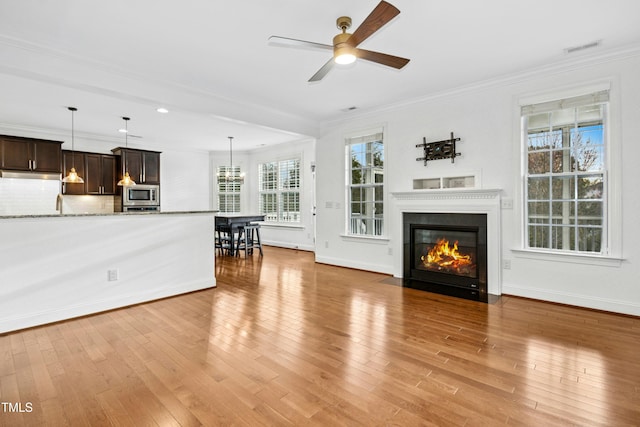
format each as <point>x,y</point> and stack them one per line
<point>284,341</point>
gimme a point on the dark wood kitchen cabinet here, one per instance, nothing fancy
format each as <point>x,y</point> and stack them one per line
<point>30,154</point>
<point>143,166</point>
<point>101,174</point>
<point>97,170</point>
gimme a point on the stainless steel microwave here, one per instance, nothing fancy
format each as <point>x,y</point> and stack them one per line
<point>141,195</point>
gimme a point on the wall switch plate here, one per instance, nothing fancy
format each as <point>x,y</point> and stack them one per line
<point>507,203</point>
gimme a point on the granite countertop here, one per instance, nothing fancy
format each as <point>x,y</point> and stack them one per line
<point>109,214</point>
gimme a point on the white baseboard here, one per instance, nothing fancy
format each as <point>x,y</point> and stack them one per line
<point>289,245</point>
<point>376,268</point>
<point>92,307</point>
<point>586,301</point>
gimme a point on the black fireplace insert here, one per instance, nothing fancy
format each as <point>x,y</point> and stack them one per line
<point>446,253</point>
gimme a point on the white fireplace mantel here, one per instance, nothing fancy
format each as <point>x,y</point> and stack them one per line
<point>460,200</point>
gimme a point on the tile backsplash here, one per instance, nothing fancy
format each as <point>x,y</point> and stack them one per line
<point>28,196</point>
<point>87,204</point>
<point>38,197</point>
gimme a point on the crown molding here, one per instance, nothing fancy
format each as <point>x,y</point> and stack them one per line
<point>572,62</point>
<point>53,134</point>
<point>304,126</point>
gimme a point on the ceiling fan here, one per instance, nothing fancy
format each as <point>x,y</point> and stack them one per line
<point>345,45</point>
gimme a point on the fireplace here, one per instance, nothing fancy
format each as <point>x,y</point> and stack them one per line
<point>446,253</point>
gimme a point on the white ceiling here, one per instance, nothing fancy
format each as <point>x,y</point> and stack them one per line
<point>209,61</point>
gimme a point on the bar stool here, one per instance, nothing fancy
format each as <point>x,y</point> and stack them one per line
<point>248,239</point>
<point>223,238</point>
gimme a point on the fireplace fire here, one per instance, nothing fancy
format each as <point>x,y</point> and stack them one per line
<point>446,253</point>
<point>443,257</point>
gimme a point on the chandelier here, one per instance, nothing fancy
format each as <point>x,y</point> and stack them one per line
<point>231,175</point>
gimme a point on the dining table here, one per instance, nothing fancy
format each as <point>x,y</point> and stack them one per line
<point>232,222</point>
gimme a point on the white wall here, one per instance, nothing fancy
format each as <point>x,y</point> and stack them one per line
<point>57,267</point>
<point>486,118</point>
<point>184,181</point>
<point>295,236</point>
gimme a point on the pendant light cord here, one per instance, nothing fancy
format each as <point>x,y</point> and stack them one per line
<point>231,172</point>
<point>126,132</point>
<point>73,139</point>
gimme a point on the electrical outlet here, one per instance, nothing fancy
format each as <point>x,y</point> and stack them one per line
<point>112,275</point>
<point>390,251</point>
<point>506,264</point>
<point>326,244</point>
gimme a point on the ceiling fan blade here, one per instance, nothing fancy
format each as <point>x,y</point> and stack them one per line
<point>383,13</point>
<point>322,71</point>
<point>287,41</point>
<point>381,58</point>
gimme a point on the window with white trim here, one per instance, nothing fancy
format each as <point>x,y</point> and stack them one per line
<point>565,188</point>
<point>228,190</point>
<point>279,190</point>
<point>365,187</point>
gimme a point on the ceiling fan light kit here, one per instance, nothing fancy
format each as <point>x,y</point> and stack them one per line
<point>345,45</point>
<point>342,51</point>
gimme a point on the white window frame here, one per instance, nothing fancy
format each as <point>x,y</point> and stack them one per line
<point>371,224</point>
<point>278,187</point>
<point>611,253</point>
<point>229,193</point>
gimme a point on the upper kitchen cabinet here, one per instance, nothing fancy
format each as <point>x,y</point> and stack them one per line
<point>97,170</point>
<point>143,166</point>
<point>101,173</point>
<point>74,159</point>
<point>30,154</point>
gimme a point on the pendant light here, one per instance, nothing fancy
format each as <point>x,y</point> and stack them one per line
<point>73,177</point>
<point>126,179</point>
<point>231,176</point>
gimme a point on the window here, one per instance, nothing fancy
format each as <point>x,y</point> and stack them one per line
<point>279,190</point>
<point>228,191</point>
<point>365,192</point>
<point>565,144</point>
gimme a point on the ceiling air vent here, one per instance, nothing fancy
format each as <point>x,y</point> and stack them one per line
<point>575,49</point>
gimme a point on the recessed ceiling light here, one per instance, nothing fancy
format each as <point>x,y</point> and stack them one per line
<point>123,130</point>
<point>162,110</point>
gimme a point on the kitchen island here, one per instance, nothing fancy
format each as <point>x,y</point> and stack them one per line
<point>56,267</point>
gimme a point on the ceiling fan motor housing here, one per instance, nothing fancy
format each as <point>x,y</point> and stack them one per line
<point>342,52</point>
<point>340,44</point>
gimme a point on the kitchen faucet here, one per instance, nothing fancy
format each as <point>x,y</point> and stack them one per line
<point>59,203</point>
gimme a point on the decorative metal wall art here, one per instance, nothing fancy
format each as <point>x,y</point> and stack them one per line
<point>445,149</point>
